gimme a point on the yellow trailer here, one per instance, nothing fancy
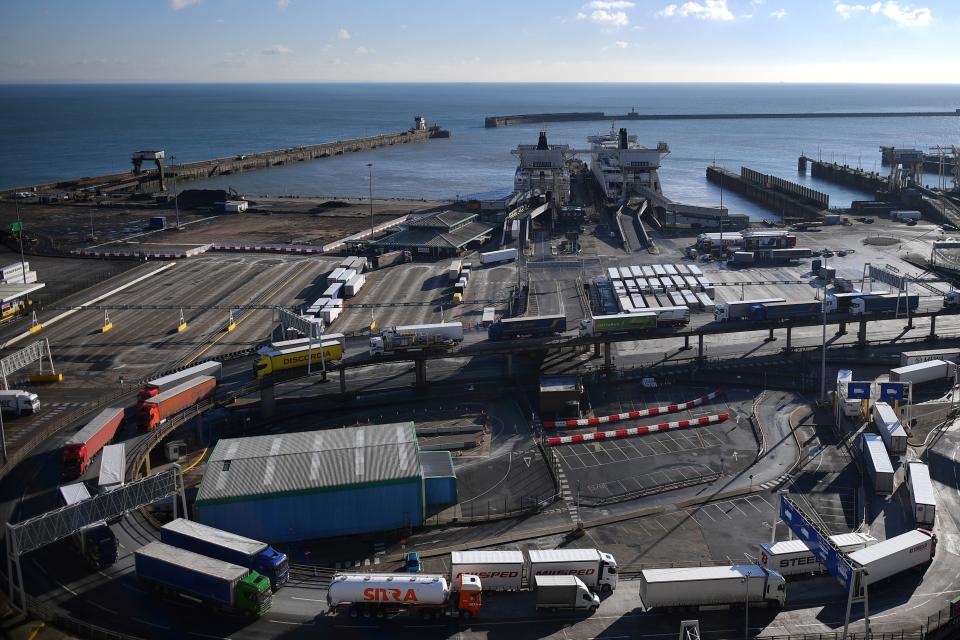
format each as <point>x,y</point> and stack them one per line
<point>271,359</point>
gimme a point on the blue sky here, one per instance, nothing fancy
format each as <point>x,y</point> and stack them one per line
<point>480,41</point>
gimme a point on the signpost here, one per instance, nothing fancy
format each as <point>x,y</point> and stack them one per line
<point>858,390</point>
<point>895,391</point>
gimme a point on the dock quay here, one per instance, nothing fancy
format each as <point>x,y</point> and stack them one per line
<point>867,181</point>
<point>780,196</point>
<point>492,122</point>
<point>947,160</point>
<point>155,179</point>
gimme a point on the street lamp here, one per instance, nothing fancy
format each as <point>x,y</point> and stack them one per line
<point>746,606</point>
<point>823,350</point>
<point>370,170</point>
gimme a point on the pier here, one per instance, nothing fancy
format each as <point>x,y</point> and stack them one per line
<point>492,122</point>
<point>778,195</point>
<point>154,180</point>
<point>867,181</point>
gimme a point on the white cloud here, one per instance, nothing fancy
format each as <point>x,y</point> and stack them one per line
<point>606,18</point>
<point>705,10</point>
<point>905,16</point>
<point>277,50</point>
<point>220,21</point>
<point>847,10</point>
<point>620,44</point>
<point>283,4</point>
<point>610,4</point>
<point>779,14</point>
<point>364,50</point>
<point>176,5</point>
<point>343,34</point>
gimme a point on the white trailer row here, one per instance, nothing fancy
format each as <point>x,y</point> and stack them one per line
<point>629,302</point>
<point>661,278</point>
<point>17,273</point>
<point>794,557</point>
<point>510,571</point>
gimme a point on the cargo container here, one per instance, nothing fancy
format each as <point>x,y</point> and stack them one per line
<point>676,299</point>
<point>632,287</point>
<point>527,327</point>
<point>914,549</point>
<point>636,271</point>
<point>727,311</point>
<point>95,542</point>
<point>691,283</point>
<point>489,316</point>
<point>416,337</point>
<point>497,570</point>
<point>793,557</point>
<point>387,595</point>
<point>710,586</point>
<point>613,273</point>
<point>169,381</point>
<point>275,357</point>
<point>659,271</point>
<point>921,372</point>
<point>671,270</point>
<point>637,301</point>
<point>156,410</point>
<point>228,547</point>
<point>694,270</point>
<point>706,304</point>
<point>923,500</point>
<point>597,569</point>
<point>672,315</point>
<point>690,299</point>
<point>334,290</point>
<point>743,258</point>
<point>79,450</point>
<point>706,285</point>
<point>19,402</point>
<point>493,257</point>
<point>563,593</point>
<point>329,315</point>
<point>888,424</point>
<point>625,272</point>
<point>335,276</point>
<point>678,283</point>
<point>891,303</point>
<point>652,303</point>
<point>877,462</point>
<point>648,272</point>
<point>667,283</point>
<point>353,285</point>
<point>207,581</point>
<point>916,357</point>
<point>391,258</point>
<point>113,467</point>
<point>619,323</point>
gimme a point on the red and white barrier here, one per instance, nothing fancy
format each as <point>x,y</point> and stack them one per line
<point>637,431</point>
<point>630,415</point>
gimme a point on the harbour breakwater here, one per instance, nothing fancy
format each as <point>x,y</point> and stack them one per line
<point>492,122</point>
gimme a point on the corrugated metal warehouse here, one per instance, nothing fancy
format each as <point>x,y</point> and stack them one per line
<point>317,484</point>
<point>439,478</point>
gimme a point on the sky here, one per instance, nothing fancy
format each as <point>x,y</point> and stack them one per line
<point>145,41</point>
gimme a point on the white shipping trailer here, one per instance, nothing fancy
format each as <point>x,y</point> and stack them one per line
<point>636,271</point>
<point>793,557</point>
<point>648,272</point>
<point>637,301</point>
<point>888,558</point>
<point>335,276</point>
<point>677,299</point>
<point>890,428</point>
<point>924,372</point>
<point>705,302</point>
<point>453,273</point>
<point>878,463</point>
<point>695,270</point>
<point>705,586</point>
<point>659,271</point>
<point>625,273</point>
<point>353,285</point>
<point>613,273</point>
<point>346,275</point>
<point>690,299</point>
<point>671,270</point>
<point>597,570</point>
<point>497,570</point>
<point>923,501</point>
<point>666,283</point>
<point>113,466</point>
<point>740,309</point>
<point>503,255</point>
<point>916,357</point>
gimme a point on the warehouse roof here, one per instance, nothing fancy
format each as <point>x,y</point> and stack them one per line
<point>310,461</point>
<point>444,220</point>
<point>437,464</point>
<point>436,237</point>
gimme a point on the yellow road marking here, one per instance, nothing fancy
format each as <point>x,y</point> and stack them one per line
<point>196,462</point>
<point>36,631</point>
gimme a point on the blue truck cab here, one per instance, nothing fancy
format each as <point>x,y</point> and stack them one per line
<point>228,547</point>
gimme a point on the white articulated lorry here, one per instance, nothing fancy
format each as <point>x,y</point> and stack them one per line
<point>597,570</point>
<point>922,498</point>
<point>888,424</point>
<point>19,402</point>
<point>705,586</point>
<point>885,559</point>
<point>497,570</point>
<point>416,337</point>
<point>794,558</point>
<point>739,310</point>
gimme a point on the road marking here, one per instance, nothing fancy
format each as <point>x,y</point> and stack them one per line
<point>307,599</point>
<point>297,624</point>
<point>100,606</point>
<point>152,624</point>
<point>205,635</point>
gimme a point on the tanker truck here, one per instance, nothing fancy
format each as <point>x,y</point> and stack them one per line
<point>385,595</point>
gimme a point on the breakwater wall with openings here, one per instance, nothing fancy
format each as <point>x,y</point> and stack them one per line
<point>867,181</point>
<point>764,193</point>
<point>492,122</point>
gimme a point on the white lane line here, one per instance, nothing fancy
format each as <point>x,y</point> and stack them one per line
<point>205,635</point>
<point>296,624</point>
<point>307,599</point>
<point>152,624</point>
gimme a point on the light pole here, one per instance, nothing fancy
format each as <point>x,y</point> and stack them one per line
<point>746,607</point>
<point>823,350</point>
<point>176,203</point>
<point>370,171</point>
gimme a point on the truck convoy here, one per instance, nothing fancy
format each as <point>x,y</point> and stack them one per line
<point>228,547</point>
<point>387,595</point>
<point>156,410</point>
<point>564,592</point>
<point>416,337</point>
<point>159,385</point>
<point>885,559</point>
<point>294,354</point>
<point>728,311</point>
<point>203,580</point>
<point>95,542</point>
<point>509,571</point>
<point>889,303</point>
<point>527,327</point>
<point>793,557</point>
<point>703,586</point>
<point>784,311</point>
<point>19,402</point>
<point>855,303</point>
<point>89,440</point>
<point>638,321</point>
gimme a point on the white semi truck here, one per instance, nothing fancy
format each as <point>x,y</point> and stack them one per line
<point>416,337</point>
<point>921,372</point>
<point>739,310</point>
<point>19,402</point>
<point>885,559</point>
<point>922,498</point>
<point>388,595</point>
<point>888,424</point>
<point>793,557</point>
<point>709,586</point>
<point>509,570</point>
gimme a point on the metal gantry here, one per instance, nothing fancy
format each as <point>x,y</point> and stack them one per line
<point>47,528</point>
<point>25,357</point>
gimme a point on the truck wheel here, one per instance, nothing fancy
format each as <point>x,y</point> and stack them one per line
<point>593,609</point>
